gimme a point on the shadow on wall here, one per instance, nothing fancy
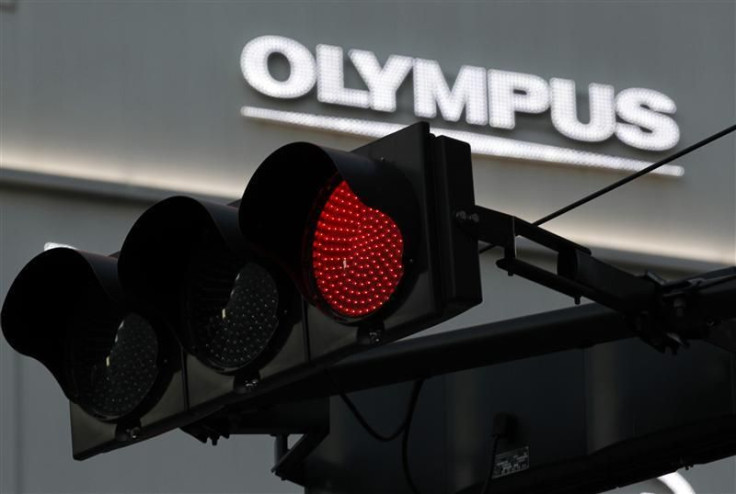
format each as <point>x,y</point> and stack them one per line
<point>8,5</point>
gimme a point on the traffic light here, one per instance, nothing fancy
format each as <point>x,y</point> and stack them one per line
<point>369,237</point>
<point>236,313</point>
<point>117,363</point>
<point>206,305</point>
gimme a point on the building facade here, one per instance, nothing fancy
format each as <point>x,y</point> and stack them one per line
<point>106,107</point>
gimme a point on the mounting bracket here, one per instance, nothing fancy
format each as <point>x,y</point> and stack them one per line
<point>309,418</point>
<point>579,274</point>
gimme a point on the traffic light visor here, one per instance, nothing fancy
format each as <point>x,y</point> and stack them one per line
<point>189,262</point>
<point>342,225</point>
<point>66,310</point>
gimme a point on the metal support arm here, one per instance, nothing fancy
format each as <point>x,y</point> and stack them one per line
<point>579,274</point>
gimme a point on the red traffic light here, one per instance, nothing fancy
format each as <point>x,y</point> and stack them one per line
<point>357,254</point>
<point>342,224</point>
<point>369,236</point>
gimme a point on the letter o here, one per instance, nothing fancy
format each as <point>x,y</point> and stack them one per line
<point>254,65</point>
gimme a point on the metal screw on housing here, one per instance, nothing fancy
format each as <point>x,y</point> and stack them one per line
<point>679,307</point>
<point>247,386</point>
<point>374,337</point>
<point>464,217</point>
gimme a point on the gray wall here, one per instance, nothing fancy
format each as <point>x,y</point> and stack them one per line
<point>150,93</point>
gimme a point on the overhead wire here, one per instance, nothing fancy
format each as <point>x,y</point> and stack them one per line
<point>627,179</point>
<point>405,439</point>
<point>403,428</point>
<point>372,431</point>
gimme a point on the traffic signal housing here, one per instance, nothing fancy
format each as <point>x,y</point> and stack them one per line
<point>370,236</point>
<point>117,363</point>
<point>207,305</point>
<point>235,313</point>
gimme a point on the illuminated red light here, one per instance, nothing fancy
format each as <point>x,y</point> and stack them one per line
<point>356,254</point>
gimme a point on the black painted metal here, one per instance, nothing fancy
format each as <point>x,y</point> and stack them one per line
<point>579,274</point>
<point>480,346</point>
<point>592,419</point>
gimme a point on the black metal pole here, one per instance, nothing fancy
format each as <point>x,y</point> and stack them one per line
<point>480,346</point>
<point>483,345</point>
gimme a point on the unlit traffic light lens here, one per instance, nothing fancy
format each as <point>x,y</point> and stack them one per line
<point>233,311</point>
<point>115,364</point>
<point>356,255</point>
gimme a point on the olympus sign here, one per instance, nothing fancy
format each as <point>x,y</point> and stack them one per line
<point>638,117</point>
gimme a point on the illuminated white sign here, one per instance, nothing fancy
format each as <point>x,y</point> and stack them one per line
<point>676,483</point>
<point>638,117</point>
<point>54,245</point>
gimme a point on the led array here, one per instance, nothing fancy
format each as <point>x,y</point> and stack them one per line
<point>356,254</point>
<point>115,384</point>
<point>232,307</point>
<point>240,327</point>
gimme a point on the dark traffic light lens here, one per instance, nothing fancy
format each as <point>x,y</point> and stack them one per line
<point>356,254</point>
<point>115,365</point>
<point>233,312</point>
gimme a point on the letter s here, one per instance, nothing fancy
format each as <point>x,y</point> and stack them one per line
<point>647,127</point>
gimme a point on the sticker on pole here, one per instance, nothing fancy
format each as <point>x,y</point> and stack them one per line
<point>510,462</point>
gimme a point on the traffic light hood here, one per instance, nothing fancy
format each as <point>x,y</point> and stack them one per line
<point>283,202</point>
<point>158,247</point>
<point>66,309</point>
<point>187,261</point>
<point>45,298</point>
